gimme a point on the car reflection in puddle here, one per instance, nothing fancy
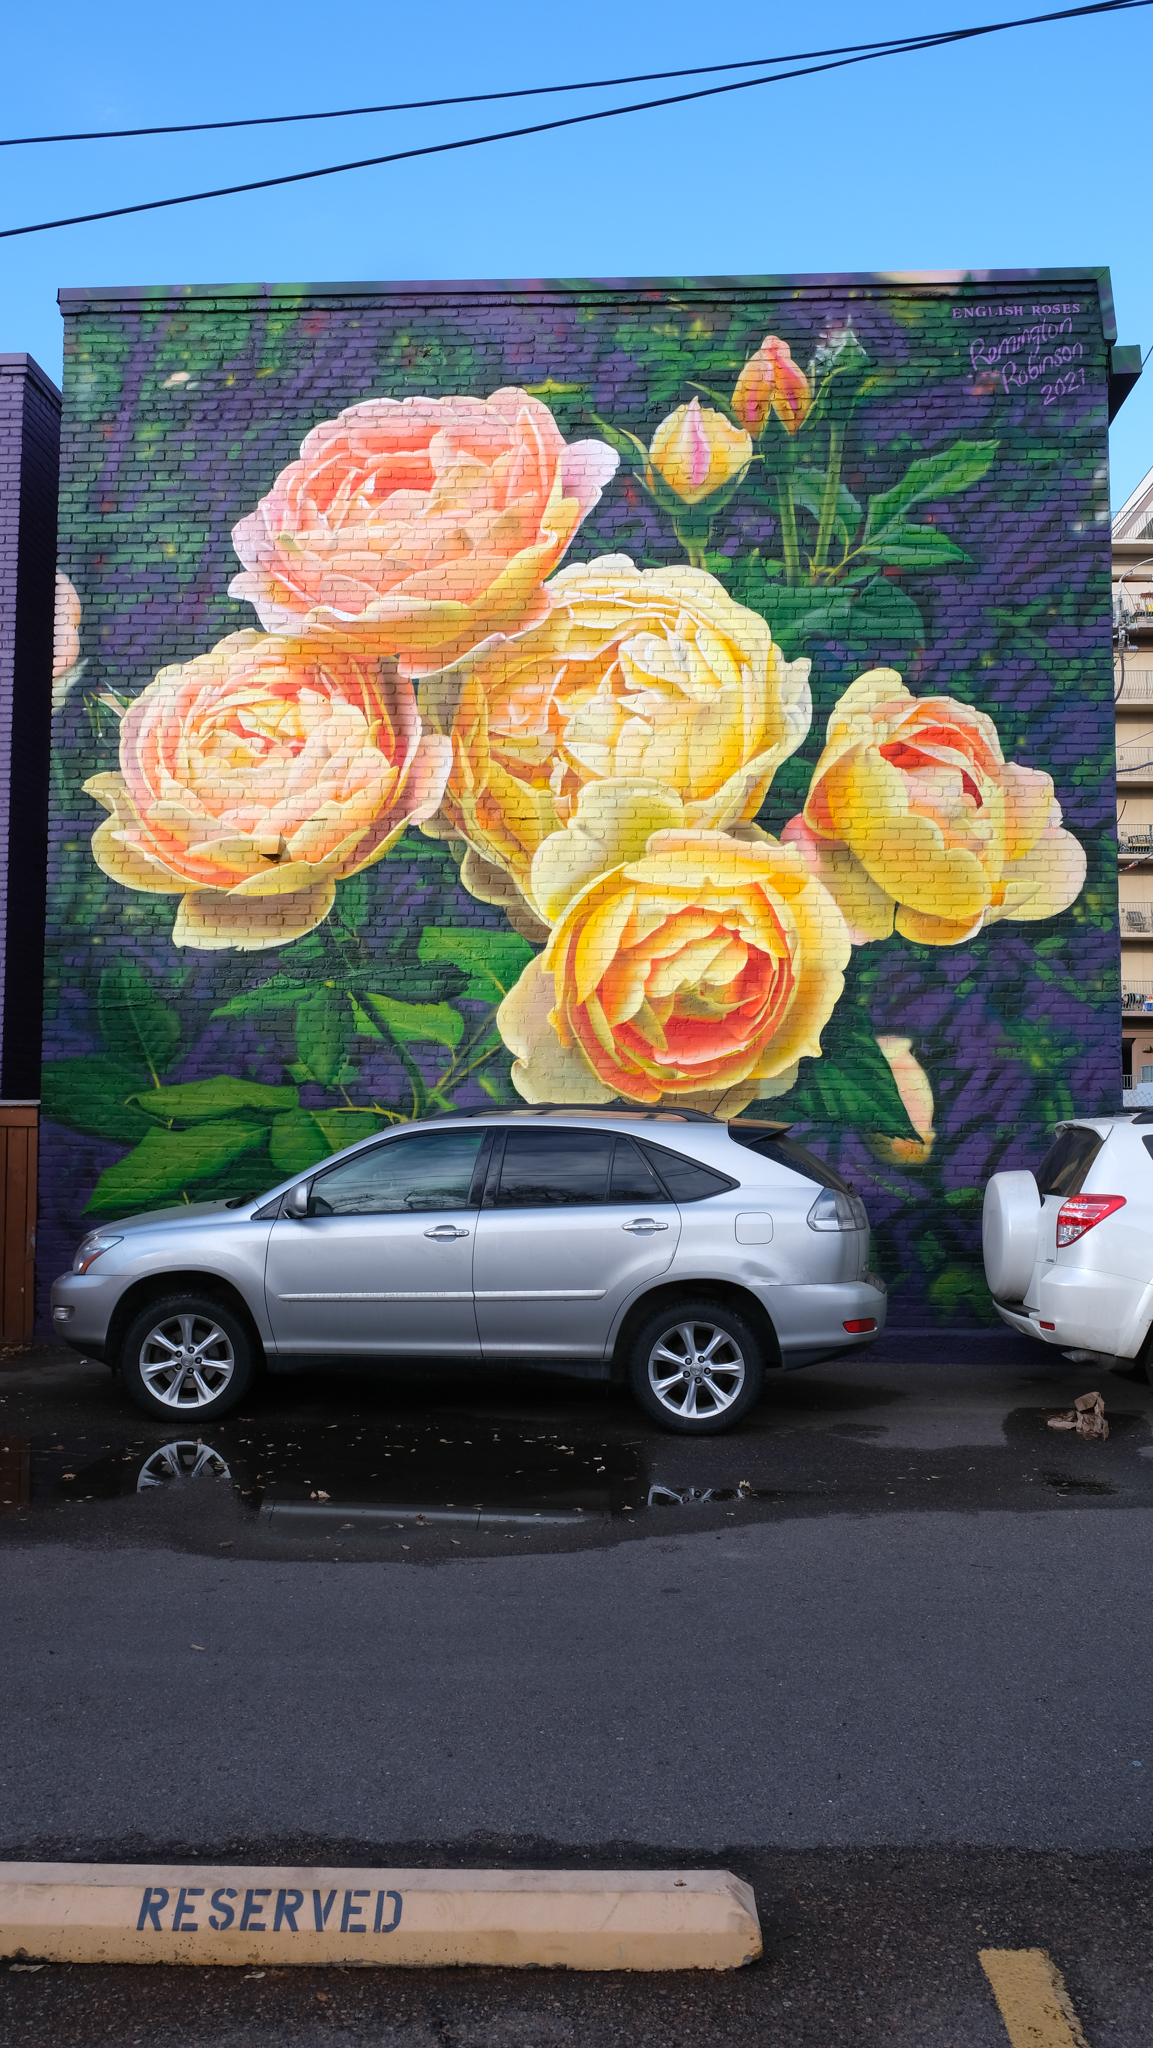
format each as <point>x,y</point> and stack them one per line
<point>333,1477</point>
<point>180,1461</point>
<point>700,1496</point>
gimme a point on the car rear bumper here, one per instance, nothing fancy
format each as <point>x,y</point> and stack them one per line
<point>1020,1318</point>
<point>810,1320</point>
<point>1083,1310</point>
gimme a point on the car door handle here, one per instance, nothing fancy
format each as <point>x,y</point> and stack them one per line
<point>445,1232</point>
<point>644,1226</point>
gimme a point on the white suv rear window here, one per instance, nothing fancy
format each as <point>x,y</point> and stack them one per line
<point>1065,1165</point>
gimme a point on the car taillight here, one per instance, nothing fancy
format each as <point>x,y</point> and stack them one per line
<point>833,1210</point>
<point>1081,1212</point>
<point>859,1323</point>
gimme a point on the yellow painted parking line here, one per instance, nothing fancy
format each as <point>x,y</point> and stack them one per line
<point>560,1919</point>
<point>1030,1992</point>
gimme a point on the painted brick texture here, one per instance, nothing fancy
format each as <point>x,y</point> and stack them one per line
<point>29,463</point>
<point>690,694</point>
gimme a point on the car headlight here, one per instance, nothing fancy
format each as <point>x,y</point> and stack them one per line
<point>91,1249</point>
<point>833,1210</point>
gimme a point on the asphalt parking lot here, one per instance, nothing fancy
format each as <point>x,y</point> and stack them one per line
<point>884,1651</point>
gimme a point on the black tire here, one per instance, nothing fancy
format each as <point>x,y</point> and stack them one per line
<point>213,1362</point>
<point>725,1367</point>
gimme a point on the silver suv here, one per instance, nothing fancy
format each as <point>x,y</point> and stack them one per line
<point>680,1253</point>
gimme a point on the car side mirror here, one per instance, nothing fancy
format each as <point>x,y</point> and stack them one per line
<point>296,1200</point>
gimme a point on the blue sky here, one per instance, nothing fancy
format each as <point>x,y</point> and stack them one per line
<point>1028,149</point>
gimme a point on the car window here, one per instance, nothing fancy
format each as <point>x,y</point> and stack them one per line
<point>686,1179</point>
<point>431,1171</point>
<point>633,1179</point>
<point>785,1151</point>
<point>1062,1171</point>
<point>545,1169</point>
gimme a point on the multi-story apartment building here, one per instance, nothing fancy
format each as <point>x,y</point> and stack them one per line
<point>1133,689</point>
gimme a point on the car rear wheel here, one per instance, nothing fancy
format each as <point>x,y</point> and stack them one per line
<point>696,1367</point>
<point>187,1355</point>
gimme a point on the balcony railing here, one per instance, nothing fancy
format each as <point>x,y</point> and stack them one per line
<point>1137,995</point>
<point>1135,757</point>
<point>1136,920</point>
<point>1135,839</point>
<point>1138,687</point>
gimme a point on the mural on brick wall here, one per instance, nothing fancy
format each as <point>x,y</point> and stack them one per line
<point>582,697</point>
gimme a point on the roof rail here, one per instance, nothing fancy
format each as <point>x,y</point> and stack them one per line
<point>616,1107</point>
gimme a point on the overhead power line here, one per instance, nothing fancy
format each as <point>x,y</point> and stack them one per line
<point>887,44</point>
<point>471,99</point>
<point>865,55</point>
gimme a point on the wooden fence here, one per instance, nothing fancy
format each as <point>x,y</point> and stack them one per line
<point>19,1123</point>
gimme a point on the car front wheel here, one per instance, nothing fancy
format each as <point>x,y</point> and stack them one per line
<point>189,1356</point>
<point>697,1368</point>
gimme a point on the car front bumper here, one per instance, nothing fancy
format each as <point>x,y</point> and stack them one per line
<point>82,1306</point>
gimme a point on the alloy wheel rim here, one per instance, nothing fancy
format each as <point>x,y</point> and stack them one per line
<point>696,1370</point>
<point>187,1361</point>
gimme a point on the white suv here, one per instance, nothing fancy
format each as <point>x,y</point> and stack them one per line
<point>1068,1249</point>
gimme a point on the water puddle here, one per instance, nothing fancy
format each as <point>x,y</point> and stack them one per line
<point>360,1475</point>
<point>1064,1482</point>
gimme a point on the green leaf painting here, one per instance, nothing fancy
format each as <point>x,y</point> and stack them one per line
<point>198,1102</point>
<point>136,1023</point>
<point>94,1094</point>
<point>418,1023</point>
<point>167,1165</point>
<point>852,1089</point>
<point>933,476</point>
<point>301,1138</point>
<point>324,1033</point>
<point>493,961</point>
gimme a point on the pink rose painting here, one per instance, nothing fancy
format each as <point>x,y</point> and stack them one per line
<point>421,527</point>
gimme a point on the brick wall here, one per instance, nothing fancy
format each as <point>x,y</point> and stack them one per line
<point>568,773</point>
<point>29,462</point>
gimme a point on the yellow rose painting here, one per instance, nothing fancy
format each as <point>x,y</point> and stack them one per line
<point>644,675</point>
<point>915,820</point>
<point>699,973</point>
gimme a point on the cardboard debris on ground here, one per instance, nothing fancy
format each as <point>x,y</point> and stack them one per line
<point>1086,1416</point>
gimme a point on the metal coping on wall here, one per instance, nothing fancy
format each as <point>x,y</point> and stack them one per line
<point>863,284</point>
<point>28,367</point>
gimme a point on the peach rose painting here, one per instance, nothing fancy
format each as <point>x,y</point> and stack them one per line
<point>421,528</point>
<point>563,694</point>
<point>256,777</point>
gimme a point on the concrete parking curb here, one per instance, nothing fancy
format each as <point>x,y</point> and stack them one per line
<point>561,1919</point>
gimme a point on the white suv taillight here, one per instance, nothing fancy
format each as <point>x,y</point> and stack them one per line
<point>1081,1212</point>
